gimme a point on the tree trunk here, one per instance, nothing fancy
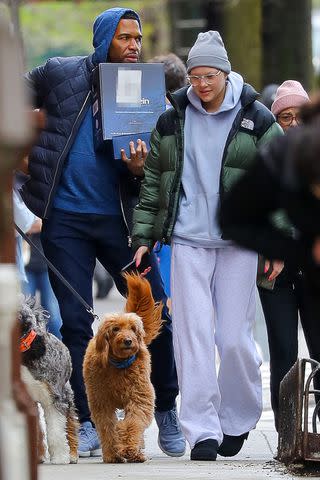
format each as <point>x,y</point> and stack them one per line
<point>239,23</point>
<point>243,39</point>
<point>235,21</point>
<point>214,13</point>
<point>286,38</point>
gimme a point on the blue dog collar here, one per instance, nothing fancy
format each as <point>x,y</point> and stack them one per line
<point>123,363</point>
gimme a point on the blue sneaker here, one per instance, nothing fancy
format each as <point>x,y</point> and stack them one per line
<point>89,444</point>
<point>170,439</point>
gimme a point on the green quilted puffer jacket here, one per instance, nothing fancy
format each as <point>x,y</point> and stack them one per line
<point>154,216</point>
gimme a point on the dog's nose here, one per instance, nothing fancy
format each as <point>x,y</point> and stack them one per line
<point>127,342</point>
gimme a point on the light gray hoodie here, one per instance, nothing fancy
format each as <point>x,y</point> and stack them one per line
<point>205,138</point>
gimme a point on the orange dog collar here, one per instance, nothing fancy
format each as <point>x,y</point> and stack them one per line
<point>25,342</point>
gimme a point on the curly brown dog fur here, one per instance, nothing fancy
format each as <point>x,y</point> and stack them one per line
<point>119,337</point>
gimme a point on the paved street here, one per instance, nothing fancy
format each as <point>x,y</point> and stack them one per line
<point>255,460</point>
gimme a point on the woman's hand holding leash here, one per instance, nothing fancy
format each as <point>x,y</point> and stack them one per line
<point>138,258</point>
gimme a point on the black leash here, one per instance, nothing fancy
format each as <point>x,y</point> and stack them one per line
<point>57,273</point>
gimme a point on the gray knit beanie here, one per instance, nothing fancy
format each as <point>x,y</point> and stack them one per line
<point>209,51</point>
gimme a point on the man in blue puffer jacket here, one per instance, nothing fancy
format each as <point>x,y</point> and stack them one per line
<point>85,200</point>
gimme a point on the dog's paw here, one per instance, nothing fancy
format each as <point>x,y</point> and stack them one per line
<point>43,458</point>
<point>113,459</point>
<point>136,458</point>
<point>74,458</point>
<point>132,455</point>
<point>60,460</point>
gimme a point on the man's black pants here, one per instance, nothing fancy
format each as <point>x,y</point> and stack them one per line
<point>72,242</point>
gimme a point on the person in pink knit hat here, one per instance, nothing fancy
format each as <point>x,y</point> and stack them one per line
<point>286,301</point>
<point>290,96</point>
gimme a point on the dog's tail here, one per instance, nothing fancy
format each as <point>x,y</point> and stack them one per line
<point>140,301</point>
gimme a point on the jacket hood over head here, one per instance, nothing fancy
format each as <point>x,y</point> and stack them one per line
<point>104,28</point>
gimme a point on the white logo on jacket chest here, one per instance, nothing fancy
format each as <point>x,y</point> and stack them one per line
<point>248,124</point>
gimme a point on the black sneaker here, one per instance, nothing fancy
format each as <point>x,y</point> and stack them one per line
<point>205,450</point>
<point>231,445</point>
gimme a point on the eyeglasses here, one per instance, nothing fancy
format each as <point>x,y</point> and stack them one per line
<point>287,118</point>
<point>195,80</point>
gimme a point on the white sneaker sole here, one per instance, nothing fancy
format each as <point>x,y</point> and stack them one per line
<point>96,453</point>
<point>91,453</point>
<point>84,454</point>
<point>171,454</point>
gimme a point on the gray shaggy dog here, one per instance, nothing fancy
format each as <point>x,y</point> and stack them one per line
<point>46,370</point>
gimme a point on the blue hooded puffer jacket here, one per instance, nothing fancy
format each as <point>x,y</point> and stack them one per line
<point>62,88</point>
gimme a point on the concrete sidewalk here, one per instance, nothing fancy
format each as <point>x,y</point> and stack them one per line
<point>255,461</point>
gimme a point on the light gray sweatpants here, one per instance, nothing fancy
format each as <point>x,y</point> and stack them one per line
<point>213,304</point>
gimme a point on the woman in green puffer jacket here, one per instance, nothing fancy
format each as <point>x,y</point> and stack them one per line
<point>199,148</point>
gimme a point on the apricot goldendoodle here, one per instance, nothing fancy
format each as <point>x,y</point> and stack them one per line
<point>117,370</point>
